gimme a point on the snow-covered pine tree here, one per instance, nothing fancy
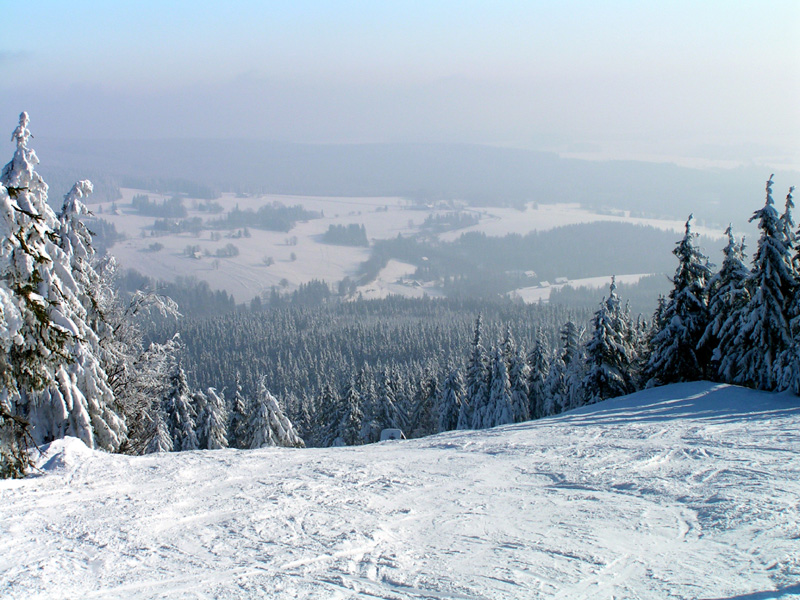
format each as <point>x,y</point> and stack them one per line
<point>370,408</point>
<point>161,440</point>
<point>138,375</point>
<point>15,442</point>
<point>787,222</point>
<point>573,359</point>
<point>212,422</point>
<point>402,383</point>
<point>389,415</point>
<point>426,405</point>
<point>499,409</point>
<point>518,373</point>
<point>452,396</point>
<point>787,365</point>
<point>610,354</point>
<point>199,402</point>
<point>557,396</point>
<point>141,379</point>
<point>538,368</point>
<point>518,376</point>
<point>370,423</point>
<point>727,296</point>
<point>76,242</point>
<point>348,432</point>
<point>674,354</point>
<point>52,372</point>
<point>238,416</point>
<point>477,380</point>
<point>302,420</point>
<point>268,425</point>
<point>180,412</point>
<point>641,337</point>
<point>764,324</point>
<point>327,416</point>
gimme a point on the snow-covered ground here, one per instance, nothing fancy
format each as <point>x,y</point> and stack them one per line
<point>268,258</point>
<point>497,221</point>
<point>396,278</point>
<point>541,293</point>
<point>688,491</point>
<point>305,258</point>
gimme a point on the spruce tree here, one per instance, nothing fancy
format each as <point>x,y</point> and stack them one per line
<point>52,372</point>
<point>499,409</point>
<point>675,353</point>
<point>610,354</point>
<point>764,332</point>
<point>477,379</point>
<point>180,412</point>
<point>518,373</point>
<point>538,368</point>
<point>238,416</point>
<point>268,424</point>
<point>452,397</point>
<point>388,413</point>
<point>571,394</point>
<point>557,397</point>
<point>161,440</point>
<point>427,401</point>
<point>327,417</point>
<point>727,296</point>
<point>348,432</point>
<point>141,379</point>
<point>787,367</point>
<point>464,413</point>
<point>212,423</point>
<point>370,426</point>
<point>199,402</point>
<point>303,421</point>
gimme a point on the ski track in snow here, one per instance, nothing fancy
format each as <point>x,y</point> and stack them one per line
<point>689,491</point>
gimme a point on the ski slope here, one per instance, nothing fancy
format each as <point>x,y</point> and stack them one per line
<point>689,491</point>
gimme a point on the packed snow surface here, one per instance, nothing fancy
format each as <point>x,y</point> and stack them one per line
<point>687,491</point>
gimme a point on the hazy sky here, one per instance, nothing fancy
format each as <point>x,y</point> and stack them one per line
<point>716,80</point>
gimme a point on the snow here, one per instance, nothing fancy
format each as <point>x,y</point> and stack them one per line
<point>247,274</point>
<point>396,278</point>
<point>496,221</point>
<point>686,491</point>
<point>541,293</point>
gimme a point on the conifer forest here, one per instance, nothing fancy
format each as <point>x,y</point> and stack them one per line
<point>123,371</point>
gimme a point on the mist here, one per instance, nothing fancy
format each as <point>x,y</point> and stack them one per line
<point>705,86</point>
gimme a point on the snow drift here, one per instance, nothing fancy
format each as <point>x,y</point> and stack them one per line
<point>686,491</point>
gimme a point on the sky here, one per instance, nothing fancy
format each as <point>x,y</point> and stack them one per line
<point>695,82</point>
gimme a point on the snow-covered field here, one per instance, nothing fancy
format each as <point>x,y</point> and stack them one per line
<point>252,273</point>
<point>541,293</point>
<point>296,257</point>
<point>541,217</point>
<point>396,279</point>
<point>689,491</point>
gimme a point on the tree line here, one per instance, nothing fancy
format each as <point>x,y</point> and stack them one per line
<point>739,325</point>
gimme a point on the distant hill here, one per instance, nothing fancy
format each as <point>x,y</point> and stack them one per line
<point>480,174</point>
